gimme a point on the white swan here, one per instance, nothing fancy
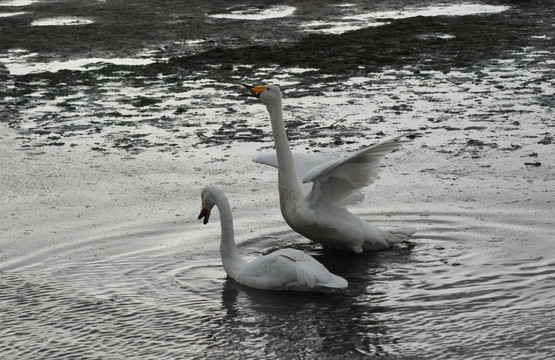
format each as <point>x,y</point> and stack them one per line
<point>318,213</point>
<point>285,269</point>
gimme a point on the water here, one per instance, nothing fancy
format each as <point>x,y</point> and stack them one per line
<point>102,166</point>
<point>460,292</point>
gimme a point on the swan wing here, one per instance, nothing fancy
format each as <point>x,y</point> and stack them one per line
<point>289,269</point>
<point>310,272</point>
<point>303,162</point>
<point>270,272</point>
<point>336,180</point>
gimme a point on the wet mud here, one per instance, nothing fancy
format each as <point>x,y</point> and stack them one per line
<point>412,45</point>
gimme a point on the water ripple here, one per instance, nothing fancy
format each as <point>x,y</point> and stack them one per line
<point>468,289</point>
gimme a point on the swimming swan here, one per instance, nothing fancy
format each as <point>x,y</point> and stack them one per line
<point>318,213</point>
<point>285,269</point>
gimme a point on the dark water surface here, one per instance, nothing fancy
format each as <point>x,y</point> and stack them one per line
<point>114,275</point>
<point>457,294</point>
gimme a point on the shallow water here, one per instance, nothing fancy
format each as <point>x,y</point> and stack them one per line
<point>102,255</point>
<point>467,289</point>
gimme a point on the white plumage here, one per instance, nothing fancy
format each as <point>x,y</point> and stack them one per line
<point>318,212</point>
<point>285,269</point>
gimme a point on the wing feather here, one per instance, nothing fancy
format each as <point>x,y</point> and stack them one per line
<point>310,272</point>
<point>336,180</point>
<point>303,161</point>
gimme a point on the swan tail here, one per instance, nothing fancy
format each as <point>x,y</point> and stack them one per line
<point>336,282</point>
<point>318,277</point>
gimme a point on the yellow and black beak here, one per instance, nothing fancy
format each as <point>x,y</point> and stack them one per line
<point>255,91</point>
<point>204,213</point>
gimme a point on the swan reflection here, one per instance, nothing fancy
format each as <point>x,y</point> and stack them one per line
<point>349,323</point>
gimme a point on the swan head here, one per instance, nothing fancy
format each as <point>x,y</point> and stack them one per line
<point>267,94</point>
<point>208,196</point>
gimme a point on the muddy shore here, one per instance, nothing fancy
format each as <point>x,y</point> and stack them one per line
<point>409,44</point>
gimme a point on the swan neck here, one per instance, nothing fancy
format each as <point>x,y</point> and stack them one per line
<point>287,172</point>
<point>231,260</point>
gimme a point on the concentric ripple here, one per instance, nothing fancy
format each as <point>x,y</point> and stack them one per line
<point>460,281</point>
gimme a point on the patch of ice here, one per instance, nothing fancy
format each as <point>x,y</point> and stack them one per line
<point>17,3</point>
<point>62,21</point>
<point>437,36</point>
<point>337,27</point>
<point>541,37</point>
<point>357,80</point>
<point>505,61</point>
<point>16,67</point>
<point>299,70</point>
<point>440,10</point>
<point>378,18</point>
<point>254,13</point>
<point>15,55</point>
<point>194,42</point>
<point>536,54</point>
<point>12,14</point>
<point>268,68</point>
<point>239,67</point>
<point>20,51</point>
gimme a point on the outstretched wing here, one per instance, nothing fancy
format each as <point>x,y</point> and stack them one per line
<point>336,180</point>
<point>303,161</point>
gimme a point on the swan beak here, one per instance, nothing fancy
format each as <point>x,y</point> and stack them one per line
<point>204,213</point>
<point>255,91</point>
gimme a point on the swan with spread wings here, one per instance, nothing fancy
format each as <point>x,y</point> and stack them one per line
<point>318,212</point>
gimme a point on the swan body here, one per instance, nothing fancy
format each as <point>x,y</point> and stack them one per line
<point>317,212</point>
<point>285,269</point>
